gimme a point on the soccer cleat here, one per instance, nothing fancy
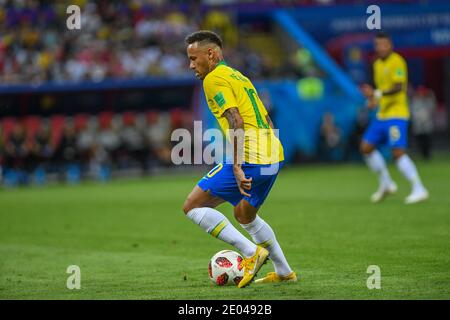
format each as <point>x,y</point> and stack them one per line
<point>417,196</point>
<point>274,277</point>
<point>383,191</point>
<point>252,265</point>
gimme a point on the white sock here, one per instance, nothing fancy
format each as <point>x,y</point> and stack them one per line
<point>263,235</point>
<point>406,166</point>
<point>376,163</point>
<point>216,224</point>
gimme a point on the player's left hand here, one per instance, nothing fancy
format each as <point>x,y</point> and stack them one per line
<point>242,182</point>
<point>371,103</point>
<point>367,90</point>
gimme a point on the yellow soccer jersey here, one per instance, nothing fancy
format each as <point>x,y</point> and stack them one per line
<point>226,88</point>
<point>388,72</point>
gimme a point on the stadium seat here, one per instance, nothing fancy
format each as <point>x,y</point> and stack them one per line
<point>32,125</point>
<point>128,117</point>
<point>57,124</point>
<point>80,120</point>
<point>176,118</point>
<point>104,119</point>
<point>152,117</point>
<point>8,124</point>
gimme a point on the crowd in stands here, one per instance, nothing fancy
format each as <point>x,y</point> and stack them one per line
<point>71,148</point>
<point>117,39</point>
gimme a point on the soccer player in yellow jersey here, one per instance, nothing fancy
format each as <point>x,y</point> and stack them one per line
<point>246,179</point>
<point>391,123</point>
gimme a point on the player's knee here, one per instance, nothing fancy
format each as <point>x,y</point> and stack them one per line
<point>243,217</point>
<point>365,148</point>
<point>188,206</point>
<point>398,153</point>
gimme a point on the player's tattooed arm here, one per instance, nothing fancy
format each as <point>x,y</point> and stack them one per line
<point>236,124</point>
<point>369,92</point>
<point>236,133</point>
<point>395,89</point>
<point>234,118</point>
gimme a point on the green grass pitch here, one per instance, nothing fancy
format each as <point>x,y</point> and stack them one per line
<point>132,241</point>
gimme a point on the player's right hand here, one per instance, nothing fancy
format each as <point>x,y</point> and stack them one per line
<point>367,90</point>
<point>242,182</point>
<point>371,103</point>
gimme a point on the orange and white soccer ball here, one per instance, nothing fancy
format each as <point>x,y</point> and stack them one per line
<point>225,268</point>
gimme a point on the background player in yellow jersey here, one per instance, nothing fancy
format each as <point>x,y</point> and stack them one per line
<point>391,123</point>
<point>235,103</point>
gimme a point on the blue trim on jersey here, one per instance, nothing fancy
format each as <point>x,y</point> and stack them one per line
<point>393,132</point>
<point>220,182</point>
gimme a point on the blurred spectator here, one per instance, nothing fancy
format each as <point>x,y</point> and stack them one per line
<point>108,139</point>
<point>2,152</point>
<point>17,154</point>
<point>266,98</point>
<point>66,156</point>
<point>158,137</point>
<point>172,63</point>
<point>362,121</point>
<point>330,139</point>
<point>220,22</point>
<point>303,63</point>
<point>310,88</point>
<point>86,139</point>
<point>133,146</point>
<point>41,153</point>
<point>16,149</point>
<point>423,107</point>
<point>66,151</point>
